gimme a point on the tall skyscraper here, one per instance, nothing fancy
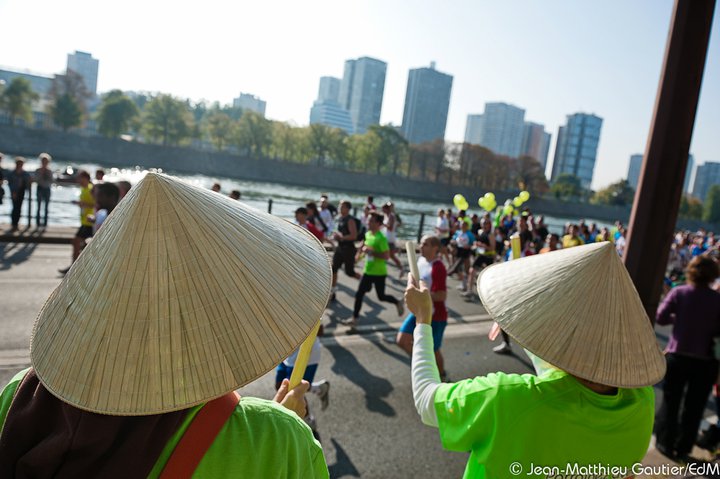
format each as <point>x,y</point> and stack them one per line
<point>499,128</point>
<point>326,110</point>
<point>633,175</point>
<point>329,89</point>
<point>535,142</point>
<point>427,100</point>
<point>250,102</point>
<point>361,91</point>
<point>576,147</point>
<point>473,129</point>
<point>706,176</point>
<point>87,67</point>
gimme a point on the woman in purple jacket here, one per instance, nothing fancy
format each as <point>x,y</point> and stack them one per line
<point>692,369</point>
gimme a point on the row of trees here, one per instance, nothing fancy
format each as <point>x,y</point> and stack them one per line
<point>171,121</point>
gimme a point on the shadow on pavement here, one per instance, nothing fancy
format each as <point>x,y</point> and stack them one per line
<point>393,351</point>
<point>375,387</point>
<point>343,465</point>
<point>15,253</point>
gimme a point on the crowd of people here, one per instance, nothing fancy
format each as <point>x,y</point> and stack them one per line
<point>610,397</point>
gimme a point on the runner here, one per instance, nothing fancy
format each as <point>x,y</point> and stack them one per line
<point>390,224</point>
<point>375,247</point>
<point>346,235</point>
<point>433,273</point>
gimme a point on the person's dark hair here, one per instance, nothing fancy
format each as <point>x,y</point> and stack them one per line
<point>235,194</point>
<point>124,186</point>
<point>377,217</point>
<point>84,174</point>
<point>702,270</point>
<point>107,196</point>
<point>302,211</point>
<point>311,205</point>
<point>370,199</point>
<point>346,204</point>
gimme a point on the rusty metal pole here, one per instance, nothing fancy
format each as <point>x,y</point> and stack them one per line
<point>657,200</point>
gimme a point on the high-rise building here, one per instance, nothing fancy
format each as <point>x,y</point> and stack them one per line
<point>329,89</point>
<point>361,91</point>
<point>688,173</point>
<point>706,176</point>
<point>326,110</point>
<point>427,100</point>
<point>633,176</point>
<point>535,142</point>
<point>87,67</point>
<point>473,129</point>
<point>250,102</point>
<point>499,129</point>
<point>576,147</point>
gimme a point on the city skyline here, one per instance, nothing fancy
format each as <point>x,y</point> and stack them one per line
<point>553,59</point>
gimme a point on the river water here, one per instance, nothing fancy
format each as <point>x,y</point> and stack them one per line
<point>285,199</point>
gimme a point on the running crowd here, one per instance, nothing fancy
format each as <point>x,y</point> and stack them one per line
<point>611,402</point>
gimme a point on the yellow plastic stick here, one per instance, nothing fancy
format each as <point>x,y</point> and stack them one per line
<point>412,260</point>
<point>515,244</point>
<point>302,358</point>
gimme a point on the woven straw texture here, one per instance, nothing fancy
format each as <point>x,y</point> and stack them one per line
<point>577,309</point>
<point>182,296</point>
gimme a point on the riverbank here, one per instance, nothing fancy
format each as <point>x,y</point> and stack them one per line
<point>75,148</point>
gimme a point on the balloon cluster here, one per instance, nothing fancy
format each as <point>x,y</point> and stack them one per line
<point>488,202</point>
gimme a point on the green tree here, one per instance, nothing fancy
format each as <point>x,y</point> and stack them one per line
<point>391,147</point>
<point>320,140</point>
<point>219,127</point>
<point>285,141</point>
<point>66,112</point>
<point>116,113</point>
<point>617,194</point>
<point>253,134</point>
<point>68,96</point>
<point>17,100</point>
<point>530,175</point>
<point>567,186</point>
<point>690,208</point>
<point>711,212</point>
<point>168,120</point>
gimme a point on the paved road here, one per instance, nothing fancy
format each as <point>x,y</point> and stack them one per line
<point>371,428</point>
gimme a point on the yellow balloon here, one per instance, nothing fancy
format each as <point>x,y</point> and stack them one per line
<point>524,195</point>
<point>517,201</point>
<point>490,195</point>
<point>460,202</point>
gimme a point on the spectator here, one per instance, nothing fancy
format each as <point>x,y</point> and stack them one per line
<point>43,180</point>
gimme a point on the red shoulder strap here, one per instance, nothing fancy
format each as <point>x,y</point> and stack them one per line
<point>199,436</point>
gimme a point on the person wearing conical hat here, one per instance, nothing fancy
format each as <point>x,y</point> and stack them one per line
<point>183,297</point>
<point>591,404</point>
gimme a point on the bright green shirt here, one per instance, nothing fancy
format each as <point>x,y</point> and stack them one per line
<point>261,439</point>
<point>378,242</point>
<point>534,421</point>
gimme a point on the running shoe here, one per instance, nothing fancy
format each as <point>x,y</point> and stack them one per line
<point>64,270</point>
<point>323,393</point>
<point>400,308</point>
<point>504,348</point>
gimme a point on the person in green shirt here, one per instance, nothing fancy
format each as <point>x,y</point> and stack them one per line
<point>588,411</point>
<point>161,319</point>
<point>376,250</point>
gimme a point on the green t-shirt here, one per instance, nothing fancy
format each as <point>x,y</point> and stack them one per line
<point>260,439</point>
<point>546,421</point>
<point>375,266</point>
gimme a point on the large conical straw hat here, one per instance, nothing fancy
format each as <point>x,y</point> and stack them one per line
<point>182,296</point>
<point>577,309</point>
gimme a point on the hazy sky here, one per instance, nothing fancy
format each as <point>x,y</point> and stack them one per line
<point>552,57</point>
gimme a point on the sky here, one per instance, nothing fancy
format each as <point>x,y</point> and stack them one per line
<point>551,58</point>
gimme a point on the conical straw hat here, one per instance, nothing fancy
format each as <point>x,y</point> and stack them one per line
<point>577,309</point>
<point>181,297</point>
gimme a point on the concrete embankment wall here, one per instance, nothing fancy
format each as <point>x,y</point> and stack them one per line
<point>75,148</point>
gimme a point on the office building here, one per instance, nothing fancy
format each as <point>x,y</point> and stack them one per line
<point>576,147</point>
<point>535,142</point>
<point>250,102</point>
<point>633,176</point>
<point>706,176</point>
<point>40,84</point>
<point>427,100</point>
<point>329,89</point>
<point>361,91</point>
<point>500,129</point>
<point>87,67</point>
